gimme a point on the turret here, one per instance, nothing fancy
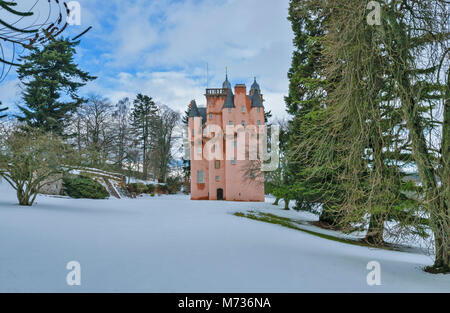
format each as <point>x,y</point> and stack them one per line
<point>255,87</point>
<point>226,84</point>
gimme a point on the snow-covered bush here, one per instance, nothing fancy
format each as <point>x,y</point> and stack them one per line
<point>83,187</point>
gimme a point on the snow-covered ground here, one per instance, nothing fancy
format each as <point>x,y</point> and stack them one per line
<point>172,244</point>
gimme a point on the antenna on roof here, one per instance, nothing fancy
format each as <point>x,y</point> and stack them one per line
<point>207,75</point>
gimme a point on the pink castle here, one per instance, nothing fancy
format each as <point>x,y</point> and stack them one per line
<point>220,178</point>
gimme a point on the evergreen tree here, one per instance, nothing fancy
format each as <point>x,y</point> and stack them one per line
<point>306,102</point>
<point>411,34</point>
<point>142,116</point>
<point>347,138</point>
<point>51,80</point>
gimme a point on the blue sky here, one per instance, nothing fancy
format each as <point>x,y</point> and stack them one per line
<point>161,48</point>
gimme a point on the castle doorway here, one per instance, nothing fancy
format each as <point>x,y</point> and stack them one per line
<point>220,194</point>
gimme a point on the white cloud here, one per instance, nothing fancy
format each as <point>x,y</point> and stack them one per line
<point>161,48</point>
<point>250,37</point>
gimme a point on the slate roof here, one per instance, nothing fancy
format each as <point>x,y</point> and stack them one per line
<point>193,110</point>
<point>256,99</point>
<point>226,84</point>
<point>229,101</point>
<point>255,86</point>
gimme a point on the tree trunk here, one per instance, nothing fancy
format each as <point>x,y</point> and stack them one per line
<point>286,204</point>
<point>436,197</point>
<point>435,201</point>
<point>375,232</point>
<point>277,200</point>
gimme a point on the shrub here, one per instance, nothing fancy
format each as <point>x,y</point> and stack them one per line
<point>132,188</point>
<point>27,151</point>
<point>141,188</point>
<point>173,185</point>
<point>83,187</point>
<point>186,187</point>
<point>137,188</point>
<point>150,188</point>
<point>162,189</point>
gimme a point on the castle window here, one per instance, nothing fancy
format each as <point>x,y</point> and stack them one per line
<point>231,123</point>
<point>200,177</point>
<point>243,123</point>
<point>235,143</point>
<point>233,161</point>
<point>258,122</point>
<point>217,178</point>
<point>259,109</point>
<point>210,103</point>
<point>217,164</point>
<point>210,115</point>
<point>229,110</point>
<point>243,109</point>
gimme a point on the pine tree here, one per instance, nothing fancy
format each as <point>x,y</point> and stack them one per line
<point>2,110</point>
<point>409,36</point>
<point>306,102</point>
<point>49,76</point>
<point>142,116</point>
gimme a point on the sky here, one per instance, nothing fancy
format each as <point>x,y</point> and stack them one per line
<point>162,48</point>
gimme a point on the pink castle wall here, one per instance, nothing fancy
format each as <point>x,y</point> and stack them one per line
<point>232,180</point>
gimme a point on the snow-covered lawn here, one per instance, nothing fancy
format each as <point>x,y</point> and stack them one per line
<point>172,244</point>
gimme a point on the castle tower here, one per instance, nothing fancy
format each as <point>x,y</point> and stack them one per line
<point>219,177</point>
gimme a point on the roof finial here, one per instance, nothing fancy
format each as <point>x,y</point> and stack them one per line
<point>226,84</point>
<point>255,86</point>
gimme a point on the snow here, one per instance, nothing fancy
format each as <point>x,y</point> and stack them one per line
<point>172,244</point>
<point>145,182</point>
